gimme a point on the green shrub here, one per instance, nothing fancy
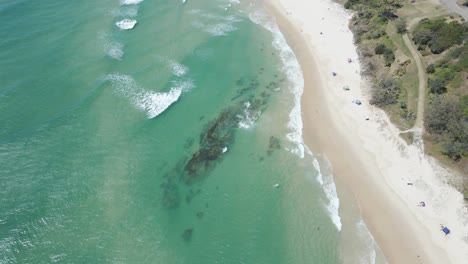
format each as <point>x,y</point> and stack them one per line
<point>422,36</point>
<point>400,25</point>
<point>439,35</point>
<point>430,69</point>
<point>389,57</point>
<point>380,49</point>
<point>386,91</point>
<point>437,86</point>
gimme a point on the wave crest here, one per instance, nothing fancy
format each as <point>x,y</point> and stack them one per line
<point>126,24</point>
<point>153,103</point>
<point>130,2</point>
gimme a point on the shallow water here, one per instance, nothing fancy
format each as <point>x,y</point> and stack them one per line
<point>177,141</point>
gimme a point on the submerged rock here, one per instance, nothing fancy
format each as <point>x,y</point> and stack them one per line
<point>218,135</point>
<point>171,197</point>
<point>274,144</point>
<point>187,234</point>
<point>189,143</point>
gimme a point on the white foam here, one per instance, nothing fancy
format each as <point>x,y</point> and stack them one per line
<point>153,103</point>
<point>329,188</point>
<point>177,69</point>
<point>369,242</point>
<point>115,50</point>
<point>293,70</point>
<point>156,103</point>
<point>231,18</point>
<point>247,120</point>
<point>185,85</point>
<point>126,24</point>
<point>112,48</point>
<point>130,2</point>
<point>218,29</point>
<point>130,11</point>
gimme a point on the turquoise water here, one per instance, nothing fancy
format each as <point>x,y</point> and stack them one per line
<point>172,142</point>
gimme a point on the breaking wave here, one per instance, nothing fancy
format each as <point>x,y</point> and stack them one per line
<point>130,2</point>
<point>247,120</point>
<point>153,103</point>
<point>126,24</point>
<point>293,70</point>
<point>329,188</point>
<point>156,103</point>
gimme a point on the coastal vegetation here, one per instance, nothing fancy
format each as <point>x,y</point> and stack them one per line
<point>438,35</point>
<point>437,41</point>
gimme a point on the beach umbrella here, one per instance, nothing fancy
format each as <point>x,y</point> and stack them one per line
<point>446,230</point>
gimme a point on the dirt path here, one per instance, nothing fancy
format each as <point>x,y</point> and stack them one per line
<point>454,7</point>
<point>422,77</point>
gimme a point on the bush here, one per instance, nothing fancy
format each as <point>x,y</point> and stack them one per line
<point>422,37</point>
<point>400,25</point>
<point>386,91</point>
<point>387,53</point>
<point>350,3</point>
<point>437,86</point>
<point>389,57</point>
<point>380,49</point>
<point>439,35</point>
<point>386,15</point>
<point>430,69</point>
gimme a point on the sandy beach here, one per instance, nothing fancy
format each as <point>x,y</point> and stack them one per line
<point>387,177</point>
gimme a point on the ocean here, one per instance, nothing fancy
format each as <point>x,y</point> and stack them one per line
<point>159,131</point>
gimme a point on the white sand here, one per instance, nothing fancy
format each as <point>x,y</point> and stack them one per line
<point>368,156</point>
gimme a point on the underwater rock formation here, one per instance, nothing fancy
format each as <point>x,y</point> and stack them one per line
<point>187,234</point>
<point>274,144</point>
<point>217,137</point>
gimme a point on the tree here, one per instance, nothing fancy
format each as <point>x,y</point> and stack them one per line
<point>439,35</point>
<point>430,69</point>
<point>400,25</point>
<point>389,57</point>
<point>437,115</point>
<point>445,118</point>
<point>386,91</point>
<point>380,49</point>
<point>422,37</point>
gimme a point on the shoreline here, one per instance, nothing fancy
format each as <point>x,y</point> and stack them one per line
<point>368,157</point>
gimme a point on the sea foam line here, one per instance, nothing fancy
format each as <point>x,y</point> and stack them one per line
<point>293,71</point>
<point>329,188</point>
<point>369,241</point>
